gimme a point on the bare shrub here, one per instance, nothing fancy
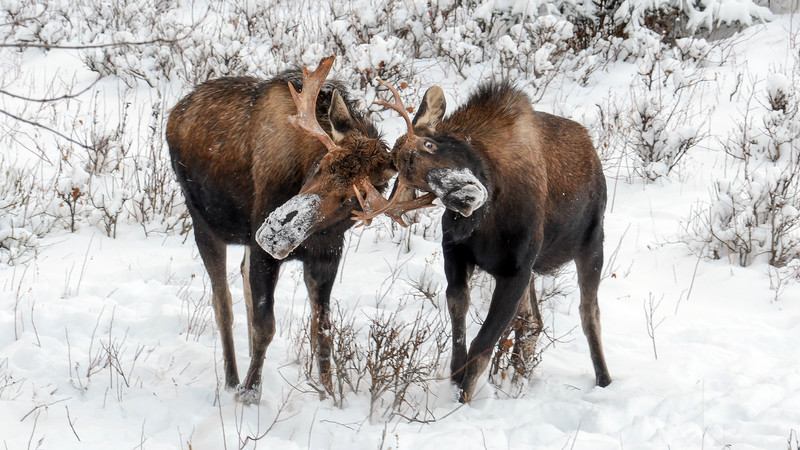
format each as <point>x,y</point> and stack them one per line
<point>109,352</point>
<point>196,309</point>
<point>401,354</point>
<point>10,387</point>
<point>349,363</point>
<point>391,358</point>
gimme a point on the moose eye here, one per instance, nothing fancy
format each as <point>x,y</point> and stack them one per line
<point>428,146</point>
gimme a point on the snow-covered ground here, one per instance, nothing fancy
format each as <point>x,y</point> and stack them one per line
<point>110,343</point>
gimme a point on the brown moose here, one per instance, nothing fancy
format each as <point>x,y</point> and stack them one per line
<point>281,186</point>
<point>524,193</point>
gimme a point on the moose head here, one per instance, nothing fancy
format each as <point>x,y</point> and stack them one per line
<point>354,163</point>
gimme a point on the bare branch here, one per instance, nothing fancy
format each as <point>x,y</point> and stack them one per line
<point>45,127</point>
<point>110,44</point>
<point>53,99</point>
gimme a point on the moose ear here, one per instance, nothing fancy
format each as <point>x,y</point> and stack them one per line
<point>431,110</point>
<point>339,116</point>
<point>388,173</point>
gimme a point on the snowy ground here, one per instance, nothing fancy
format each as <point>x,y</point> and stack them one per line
<point>726,372</point>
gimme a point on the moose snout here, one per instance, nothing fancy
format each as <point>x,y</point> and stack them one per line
<point>289,225</point>
<point>460,190</point>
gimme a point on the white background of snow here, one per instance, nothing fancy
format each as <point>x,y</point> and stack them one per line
<point>727,372</point>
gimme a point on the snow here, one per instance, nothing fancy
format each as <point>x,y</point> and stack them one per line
<point>459,186</point>
<point>289,225</point>
<point>111,342</point>
<point>778,84</point>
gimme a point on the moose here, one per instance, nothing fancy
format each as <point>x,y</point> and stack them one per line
<point>524,193</point>
<point>279,173</point>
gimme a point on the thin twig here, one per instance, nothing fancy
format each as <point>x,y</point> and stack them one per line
<point>72,424</point>
<point>110,44</point>
<point>45,127</point>
<point>53,99</point>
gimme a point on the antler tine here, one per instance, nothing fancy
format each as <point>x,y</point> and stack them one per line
<point>371,207</point>
<point>397,105</point>
<point>392,208</point>
<point>306,102</point>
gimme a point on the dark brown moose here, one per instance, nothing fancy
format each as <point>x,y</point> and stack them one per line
<point>281,186</point>
<point>524,192</point>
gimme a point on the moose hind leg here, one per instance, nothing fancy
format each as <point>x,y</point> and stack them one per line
<point>527,327</point>
<point>213,252</point>
<point>590,265</point>
<point>263,276</point>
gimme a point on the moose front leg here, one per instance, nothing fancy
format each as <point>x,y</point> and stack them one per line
<point>319,275</point>
<point>505,301</point>
<point>263,277</point>
<point>458,273</point>
<point>517,358</point>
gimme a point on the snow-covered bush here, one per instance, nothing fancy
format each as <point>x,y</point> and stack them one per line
<point>648,133</point>
<point>168,47</point>
<point>674,19</point>
<point>661,132</point>
<point>18,242</point>
<point>460,45</point>
<point>756,211</point>
<point>534,51</point>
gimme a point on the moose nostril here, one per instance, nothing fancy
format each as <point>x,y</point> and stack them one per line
<point>288,218</point>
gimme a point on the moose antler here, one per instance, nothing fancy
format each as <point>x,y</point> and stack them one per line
<point>397,105</point>
<point>306,102</point>
<point>375,205</point>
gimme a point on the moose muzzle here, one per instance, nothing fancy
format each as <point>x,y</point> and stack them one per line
<point>289,225</point>
<point>459,189</point>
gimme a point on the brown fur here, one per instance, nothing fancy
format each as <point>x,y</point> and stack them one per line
<point>547,196</point>
<point>237,159</point>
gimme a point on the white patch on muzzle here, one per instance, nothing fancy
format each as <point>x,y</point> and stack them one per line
<point>289,225</point>
<point>459,190</point>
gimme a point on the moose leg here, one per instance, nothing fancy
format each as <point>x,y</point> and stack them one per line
<point>457,273</point>
<point>248,297</point>
<point>505,301</point>
<point>590,265</point>
<point>319,275</point>
<point>213,252</point>
<point>263,277</point>
<point>527,327</point>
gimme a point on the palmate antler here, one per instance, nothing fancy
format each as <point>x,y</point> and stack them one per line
<point>306,102</point>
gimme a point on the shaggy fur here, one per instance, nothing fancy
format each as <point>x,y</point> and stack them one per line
<point>547,196</point>
<point>237,159</point>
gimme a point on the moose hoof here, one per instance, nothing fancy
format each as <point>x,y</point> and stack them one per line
<point>248,396</point>
<point>603,381</point>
